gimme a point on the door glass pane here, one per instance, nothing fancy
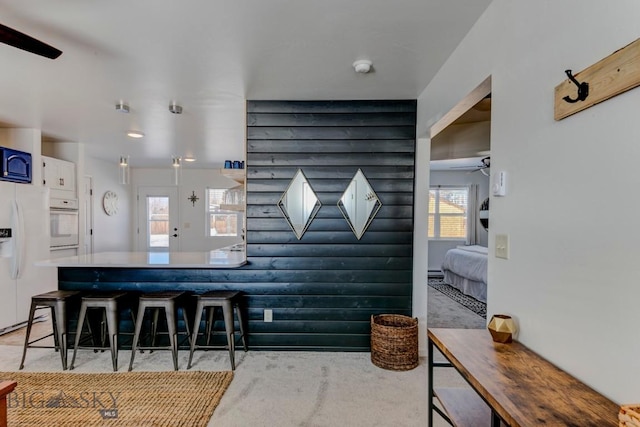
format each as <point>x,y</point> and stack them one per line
<point>158,221</point>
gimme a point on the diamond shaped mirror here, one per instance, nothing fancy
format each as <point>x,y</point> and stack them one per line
<point>299,204</point>
<point>359,204</point>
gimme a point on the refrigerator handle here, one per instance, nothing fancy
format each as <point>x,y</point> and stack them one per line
<point>18,226</point>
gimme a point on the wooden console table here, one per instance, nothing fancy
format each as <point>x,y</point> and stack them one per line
<point>511,383</point>
<point>6,387</point>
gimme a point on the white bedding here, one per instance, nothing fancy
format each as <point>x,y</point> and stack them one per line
<point>474,248</point>
<point>465,268</point>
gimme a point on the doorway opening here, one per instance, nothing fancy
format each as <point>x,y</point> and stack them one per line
<point>459,186</point>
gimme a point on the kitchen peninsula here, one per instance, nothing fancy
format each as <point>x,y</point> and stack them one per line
<point>219,258</point>
<point>151,271</point>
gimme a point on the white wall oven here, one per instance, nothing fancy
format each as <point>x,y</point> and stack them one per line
<point>63,214</point>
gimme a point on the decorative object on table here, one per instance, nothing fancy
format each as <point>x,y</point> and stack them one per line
<point>502,328</point>
<point>125,398</point>
<point>110,203</point>
<point>193,198</point>
<point>629,415</point>
<point>228,164</point>
<point>394,342</point>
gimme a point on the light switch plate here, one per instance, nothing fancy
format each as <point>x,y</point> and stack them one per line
<point>268,315</point>
<point>502,246</point>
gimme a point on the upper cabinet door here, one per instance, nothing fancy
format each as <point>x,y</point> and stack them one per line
<point>59,175</point>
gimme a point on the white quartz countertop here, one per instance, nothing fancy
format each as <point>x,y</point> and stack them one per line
<point>219,258</point>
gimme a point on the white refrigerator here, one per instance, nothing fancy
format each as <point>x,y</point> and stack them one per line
<point>24,208</point>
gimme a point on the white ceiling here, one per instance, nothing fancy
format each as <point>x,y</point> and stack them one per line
<point>210,56</point>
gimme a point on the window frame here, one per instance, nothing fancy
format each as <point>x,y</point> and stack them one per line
<point>217,210</point>
<point>437,215</point>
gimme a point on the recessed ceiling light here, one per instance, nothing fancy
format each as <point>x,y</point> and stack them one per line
<point>189,159</point>
<point>135,134</point>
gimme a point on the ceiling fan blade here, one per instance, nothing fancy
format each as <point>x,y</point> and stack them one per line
<point>22,41</point>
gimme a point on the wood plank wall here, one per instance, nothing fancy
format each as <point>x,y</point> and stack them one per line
<point>324,287</point>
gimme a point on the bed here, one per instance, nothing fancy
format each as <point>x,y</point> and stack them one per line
<point>465,268</point>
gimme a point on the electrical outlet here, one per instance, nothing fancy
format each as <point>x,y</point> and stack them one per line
<point>502,246</point>
<point>268,315</point>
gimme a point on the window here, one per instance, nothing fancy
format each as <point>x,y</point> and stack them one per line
<point>158,221</point>
<point>224,208</point>
<point>448,213</point>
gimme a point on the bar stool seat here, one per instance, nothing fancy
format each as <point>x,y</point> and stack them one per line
<point>108,302</point>
<point>57,302</point>
<point>228,301</point>
<point>169,302</point>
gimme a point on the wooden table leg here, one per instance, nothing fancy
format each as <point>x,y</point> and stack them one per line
<point>430,373</point>
<point>6,387</point>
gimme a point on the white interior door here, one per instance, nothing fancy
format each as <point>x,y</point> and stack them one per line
<point>88,215</point>
<point>158,219</point>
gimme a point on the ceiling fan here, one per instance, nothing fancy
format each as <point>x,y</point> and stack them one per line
<point>486,164</point>
<point>22,41</point>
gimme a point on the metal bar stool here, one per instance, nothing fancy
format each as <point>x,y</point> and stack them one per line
<point>57,302</point>
<point>156,301</point>
<point>228,301</point>
<point>108,302</point>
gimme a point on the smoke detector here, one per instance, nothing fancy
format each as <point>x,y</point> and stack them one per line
<point>175,108</point>
<point>362,66</point>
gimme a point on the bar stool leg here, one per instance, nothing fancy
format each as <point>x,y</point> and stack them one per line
<point>136,334</point>
<point>60,331</point>
<point>186,324</point>
<point>211,311</point>
<point>112,330</point>
<point>154,326</point>
<point>194,331</point>
<point>81,318</point>
<point>241,324</point>
<point>170,313</point>
<point>32,311</point>
<point>227,311</point>
<point>54,324</point>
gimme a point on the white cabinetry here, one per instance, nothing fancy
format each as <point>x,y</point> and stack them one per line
<point>59,175</point>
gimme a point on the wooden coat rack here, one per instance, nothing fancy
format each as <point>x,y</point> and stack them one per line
<point>611,76</point>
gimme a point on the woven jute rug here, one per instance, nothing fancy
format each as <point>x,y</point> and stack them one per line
<point>114,399</point>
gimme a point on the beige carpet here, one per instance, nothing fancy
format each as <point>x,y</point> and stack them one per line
<point>122,399</point>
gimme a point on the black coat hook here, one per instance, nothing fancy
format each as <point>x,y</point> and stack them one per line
<point>583,89</point>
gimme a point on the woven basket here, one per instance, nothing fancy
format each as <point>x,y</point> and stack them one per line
<point>629,416</point>
<point>394,342</point>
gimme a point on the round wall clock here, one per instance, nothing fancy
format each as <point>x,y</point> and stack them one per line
<point>110,203</point>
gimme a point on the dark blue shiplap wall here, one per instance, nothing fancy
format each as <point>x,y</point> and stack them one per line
<point>323,288</point>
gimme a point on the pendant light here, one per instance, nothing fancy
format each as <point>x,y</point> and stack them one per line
<point>123,170</point>
<point>175,163</point>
